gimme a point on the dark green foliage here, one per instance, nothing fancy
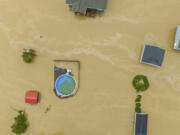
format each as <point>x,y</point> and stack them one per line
<point>20,125</point>
<point>28,55</point>
<point>138,104</point>
<point>138,98</point>
<point>138,109</point>
<point>140,83</point>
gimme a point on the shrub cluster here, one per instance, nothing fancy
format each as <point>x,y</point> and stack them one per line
<point>20,125</point>
<point>28,55</point>
<point>138,104</point>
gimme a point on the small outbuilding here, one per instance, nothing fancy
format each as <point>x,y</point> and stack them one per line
<point>141,120</point>
<point>177,39</point>
<point>152,55</point>
<point>87,6</point>
<point>31,97</point>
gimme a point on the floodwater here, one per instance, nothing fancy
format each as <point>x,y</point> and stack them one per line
<point>109,48</point>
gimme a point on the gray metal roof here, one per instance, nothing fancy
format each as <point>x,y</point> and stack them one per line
<point>152,55</point>
<point>82,5</point>
<point>141,120</point>
<point>177,39</point>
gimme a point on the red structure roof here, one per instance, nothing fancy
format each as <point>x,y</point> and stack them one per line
<point>31,97</point>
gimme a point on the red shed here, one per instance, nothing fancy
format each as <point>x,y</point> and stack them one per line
<point>31,97</point>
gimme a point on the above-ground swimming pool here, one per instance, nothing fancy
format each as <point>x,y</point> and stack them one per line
<point>65,85</point>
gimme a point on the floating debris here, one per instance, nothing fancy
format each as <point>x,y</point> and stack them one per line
<point>48,108</point>
<point>177,39</point>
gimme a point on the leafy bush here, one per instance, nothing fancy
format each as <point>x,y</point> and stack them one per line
<point>140,83</point>
<point>28,55</point>
<point>138,98</point>
<point>20,125</point>
<point>138,109</point>
<point>138,104</point>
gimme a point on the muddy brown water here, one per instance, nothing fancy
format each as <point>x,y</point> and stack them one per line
<point>109,48</point>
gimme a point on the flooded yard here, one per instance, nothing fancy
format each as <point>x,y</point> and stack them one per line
<point>109,49</point>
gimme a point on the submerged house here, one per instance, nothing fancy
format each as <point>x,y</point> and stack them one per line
<point>141,120</point>
<point>64,82</point>
<point>177,39</point>
<point>31,97</point>
<point>152,55</point>
<point>87,7</point>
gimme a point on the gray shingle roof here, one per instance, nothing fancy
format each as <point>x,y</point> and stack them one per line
<point>81,6</point>
<point>152,55</point>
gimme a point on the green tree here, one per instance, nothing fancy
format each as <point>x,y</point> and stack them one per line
<point>28,55</point>
<point>140,83</point>
<point>138,98</point>
<point>138,104</point>
<point>20,125</point>
<point>138,108</point>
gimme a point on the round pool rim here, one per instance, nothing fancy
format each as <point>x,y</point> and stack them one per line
<point>61,94</point>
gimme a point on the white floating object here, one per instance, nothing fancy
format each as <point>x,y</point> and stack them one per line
<point>177,39</point>
<point>69,70</point>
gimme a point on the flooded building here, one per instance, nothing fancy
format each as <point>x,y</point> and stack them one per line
<point>87,7</point>
<point>152,55</point>
<point>141,120</point>
<point>66,78</point>
<point>31,97</point>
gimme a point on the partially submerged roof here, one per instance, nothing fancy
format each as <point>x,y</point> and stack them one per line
<point>81,6</point>
<point>177,39</point>
<point>141,120</point>
<point>152,55</point>
<point>64,83</point>
<point>31,97</point>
